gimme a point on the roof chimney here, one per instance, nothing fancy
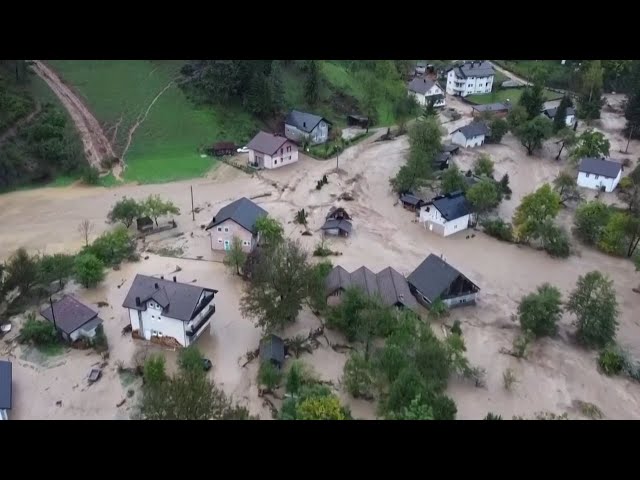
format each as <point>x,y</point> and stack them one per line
<point>161,277</point>
<point>174,279</point>
<point>304,124</point>
<point>137,301</point>
<point>424,80</point>
<point>156,285</point>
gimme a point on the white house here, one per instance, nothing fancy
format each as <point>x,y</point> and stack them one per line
<point>299,125</point>
<point>472,135</point>
<point>599,173</point>
<point>423,90</point>
<point>569,119</point>
<point>271,151</point>
<point>470,78</point>
<point>173,311</point>
<point>436,279</point>
<point>447,214</point>
<point>238,219</point>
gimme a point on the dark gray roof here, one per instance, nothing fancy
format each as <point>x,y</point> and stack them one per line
<point>181,298</point>
<point>600,166</point>
<point>266,143</point>
<point>242,211</point>
<point>474,69</point>
<point>272,348</point>
<point>421,85</point>
<point>451,206</point>
<point>450,147</point>
<point>341,224</point>
<point>303,121</point>
<point>433,277</point>
<point>411,199</point>
<point>493,107</point>
<point>338,212</point>
<point>69,313</point>
<point>442,157</point>
<point>474,129</point>
<point>6,387</point>
<point>388,284</point>
<point>551,112</point>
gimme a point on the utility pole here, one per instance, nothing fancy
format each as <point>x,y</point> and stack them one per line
<point>626,150</point>
<point>193,211</point>
<point>53,315</point>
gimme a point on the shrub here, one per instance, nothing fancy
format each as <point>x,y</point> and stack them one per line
<point>540,312</point>
<point>269,375</point>
<point>114,247</point>
<point>611,360</point>
<point>88,270</point>
<point>438,309</point>
<point>38,332</point>
<point>499,229</point>
<point>99,342</point>
<point>556,242</point>
<point>154,370</point>
<point>90,176</point>
<point>298,377</point>
<point>191,360</point>
<point>492,416</point>
<point>455,328</point>
<point>320,408</point>
<point>509,379</point>
<point>357,376</point>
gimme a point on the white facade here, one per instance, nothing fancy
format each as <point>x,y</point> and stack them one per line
<point>319,134</point>
<point>433,221</point>
<point>152,323</point>
<point>459,139</point>
<point>596,182</point>
<point>286,155</point>
<point>468,86</point>
<point>422,99</point>
<point>569,120</point>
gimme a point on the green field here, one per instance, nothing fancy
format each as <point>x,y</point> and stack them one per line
<point>512,94</point>
<point>557,75</point>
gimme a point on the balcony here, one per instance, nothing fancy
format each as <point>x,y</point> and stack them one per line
<point>195,330</point>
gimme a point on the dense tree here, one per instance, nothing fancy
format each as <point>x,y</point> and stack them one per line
<point>312,82</point>
<point>326,407</point>
<point>154,369</point>
<point>590,98</point>
<point>358,377</point>
<point>57,267</point>
<point>236,257</point>
<point>483,197</point>
<point>621,234</point>
<point>21,271</point>
<point>155,207</point>
<point>114,247</point>
<point>418,409</point>
<point>590,220</point>
<point>317,275</point>
<point>555,240</point>
<point>594,304</point>
<point>565,185</point>
<point>430,108</point>
<point>632,115</point>
<point>270,231</point>
<point>535,211</point>
<point>276,87</point>
<point>590,144</point>
<point>483,165</point>
<point>257,99</point>
<point>190,359</point>
<point>499,128</point>
<point>533,133</point>
<point>629,187</point>
<point>540,312</point>
<point>279,286</point>
<point>559,121</point>
<point>452,180</point>
<point>517,117</point>
<point>532,100</point>
<point>88,270</point>
<point>404,108</point>
<point>126,211</point>
<point>567,140</point>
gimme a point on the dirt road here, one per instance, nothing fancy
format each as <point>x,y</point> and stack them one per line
<point>509,74</point>
<point>96,145</point>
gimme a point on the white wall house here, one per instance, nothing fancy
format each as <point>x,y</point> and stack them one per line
<point>161,308</point>
<point>470,78</point>
<point>599,173</point>
<point>299,125</point>
<point>237,219</point>
<point>271,151</point>
<point>424,89</point>
<point>447,214</point>
<point>471,135</point>
<point>569,119</point>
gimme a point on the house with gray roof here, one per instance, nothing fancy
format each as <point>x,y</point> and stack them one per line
<point>435,278</point>
<point>447,214</point>
<point>272,349</point>
<point>470,78</point>
<point>599,173</point>
<point>269,151</point>
<point>472,135</point>
<point>424,90</point>
<point>168,312</point>
<point>498,109</point>
<point>72,319</point>
<point>238,219</point>
<point>569,118</point>
<point>299,125</point>
<point>388,285</point>
<point>6,389</point>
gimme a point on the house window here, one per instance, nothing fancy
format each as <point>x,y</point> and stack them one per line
<point>219,240</point>
<point>597,177</point>
<point>281,151</point>
<point>245,243</point>
<point>226,229</point>
<point>288,149</point>
<point>587,175</point>
<point>219,229</point>
<point>275,162</point>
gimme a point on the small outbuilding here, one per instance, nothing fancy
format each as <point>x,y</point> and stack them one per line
<point>144,224</point>
<point>338,213</point>
<point>599,174</point>
<point>357,121</point>
<point>337,227</point>
<point>223,148</point>
<point>72,319</point>
<point>272,350</point>
<point>6,389</point>
<point>411,202</point>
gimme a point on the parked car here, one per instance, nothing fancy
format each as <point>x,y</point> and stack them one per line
<point>243,150</point>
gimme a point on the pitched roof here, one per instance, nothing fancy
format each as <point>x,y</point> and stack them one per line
<point>474,129</point>
<point>388,284</point>
<point>242,211</point>
<point>600,166</point>
<point>421,85</point>
<point>6,387</point>
<point>181,299</point>
<point>474,69</point>
<point>338,212</point>
<point>410,198</point>
<point>512,84</point>
<point>452,205</point>
<point>442,157</point>
<point>272,348</point>
<point>340,224</point>
<point>266,143</point>
<point>433,277</point>
<point>450,147</point>
<point>493,107</point>
<point>69,314</point>
<point>303,121</point>
<point>551,112</point>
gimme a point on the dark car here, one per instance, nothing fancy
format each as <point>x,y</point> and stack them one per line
<point>206,364</point>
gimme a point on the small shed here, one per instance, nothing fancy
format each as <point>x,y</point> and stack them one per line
<point>144,224</point>
<point>337,227</point>
<point>223,148</point>
<point>358,121</point>
<point>337,214</point>
<point>411,202</point>
<point>272,350</point>
<point>451,148</point>
<point>72,318</point>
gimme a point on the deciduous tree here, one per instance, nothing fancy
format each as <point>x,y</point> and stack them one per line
<point>590,98</point>
<point>590,144</point>
<point>452,180</point>
<point>236,257</point>
<point>539,312</point>
<point>155,207</point>
<point>57,267</point>
<point>21,271</point>
<point>126,211</point>
<point>483,197</point>
<point>567,140</point>
<point>88,270</point>
<point>499,128</point>
<point>532,99</point>
<point>533,132</point>
<point>590,220</point>
<point>269,230</point>
<point>517,117</point>
<point>565,185</point>
<point>535,210</point>
<point>483,165</point>
<point>85,228</point>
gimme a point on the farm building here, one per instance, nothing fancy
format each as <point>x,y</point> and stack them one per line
<point>425,90</point>
<point>599,173</point>
<point>447,214</point>
<point>223,148</point>
<point>569,119</point>
<point>358,121</point>
<point>237,219</point>
<point>499,109</point>
<point>72,319</point>
<point>272,350</point>
<point>299,125</point>
<point>410,202</point>
<point>337,227</point>
<point>271,151</point>
<point>472,135</point>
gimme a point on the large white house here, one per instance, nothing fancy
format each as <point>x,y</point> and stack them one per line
<point>447,214</point>
<point>271,151</point>
<point>470,78</point>
<point>160,308</point>
<point>472,135</point>
<point>599,173</point>
<point>423,90</point>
